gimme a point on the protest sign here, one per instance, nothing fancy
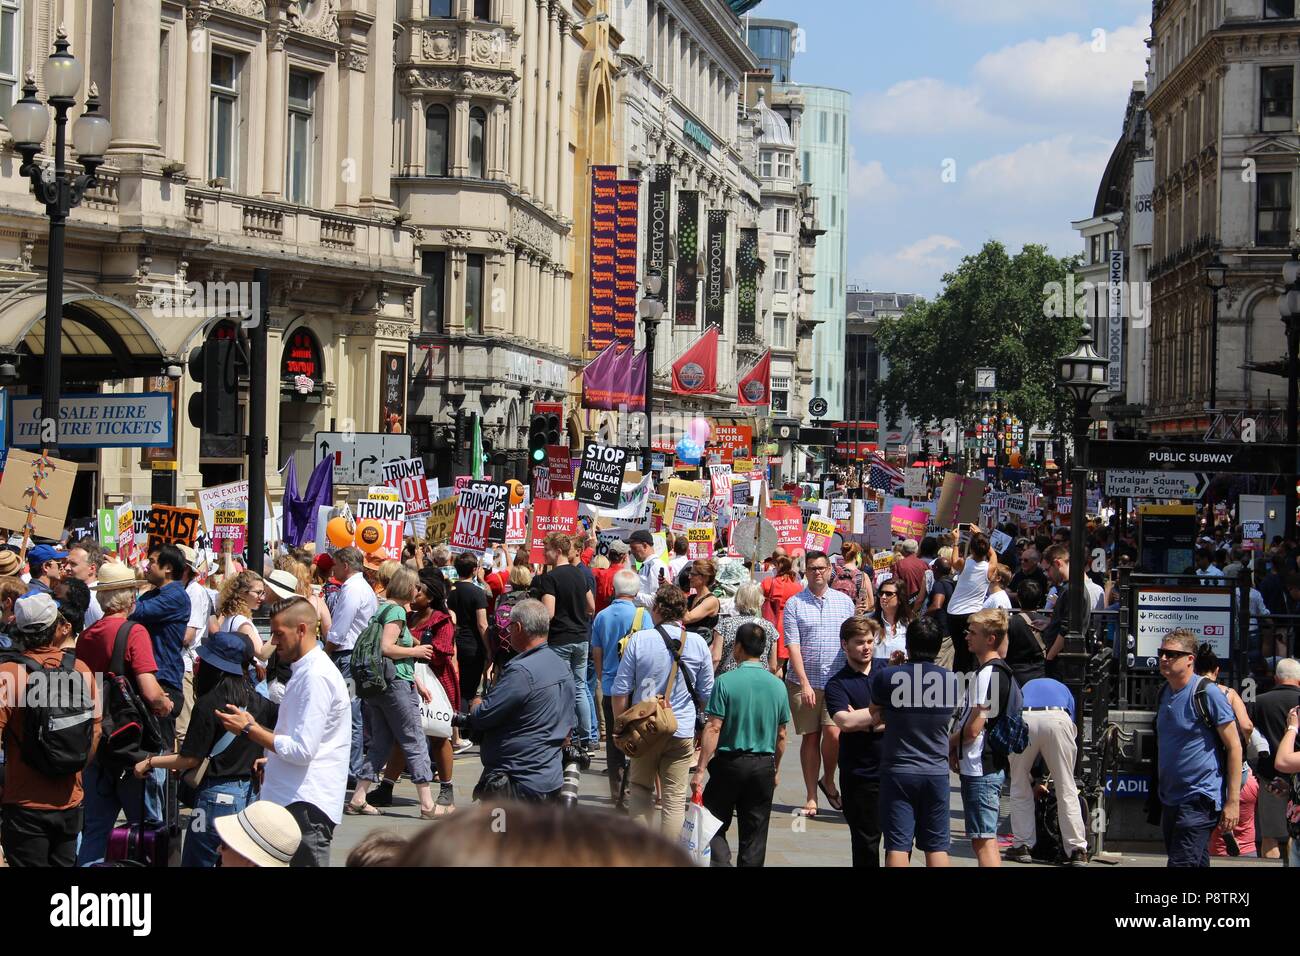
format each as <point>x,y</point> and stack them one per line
<point>381,510</point>
<point>699,541</point>
<point>630,509</point>
<point>876,529</point>
<point>1000,541</point>
<point>788,521</point>
<point>408,477</point>
<point>731,441</point>
<point>959,501</point>
<point>817,537</point>
<point>1064,504</point>
<point>517,525</point>
<point>551,515</point>
<point>383,493</point>
<point>881,560</point>
<point>601,477</point>
<point>914,483</point>
<point>230,524</point>
<point>231,495</point>
<point>442,518</point>
<point>841,509</point>
<point>908,522</point>
<point>686,512</point>
<point>169,525</point>
<point>42,492</point>
<point>478,507</point>
<point>125,517</point>
<point>1016,505</point>
<point>741,496</point>
<point>107,529</point>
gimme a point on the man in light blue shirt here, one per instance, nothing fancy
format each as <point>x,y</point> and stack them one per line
<point>643,674</point>
<point>608,628</point>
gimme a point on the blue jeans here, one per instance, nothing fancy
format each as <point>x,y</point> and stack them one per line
<point>575,655</point>
<point>106,795</point>
<point>589,689</point>
<point>223,798</point>
<point>343,661</point>
<point>980,799</point>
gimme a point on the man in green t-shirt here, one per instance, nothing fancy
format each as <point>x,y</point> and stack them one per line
<point>742,749</point>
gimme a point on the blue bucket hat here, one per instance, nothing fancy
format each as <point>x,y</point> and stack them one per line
<point>226,651</point>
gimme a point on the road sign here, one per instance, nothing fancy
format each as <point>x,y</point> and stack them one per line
<point>358,456</point>
<point>1206,612</point>
<point>1209,457</point>
<point>1183,485</point>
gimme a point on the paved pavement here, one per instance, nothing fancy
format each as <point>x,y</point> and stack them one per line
<point>793,840</point>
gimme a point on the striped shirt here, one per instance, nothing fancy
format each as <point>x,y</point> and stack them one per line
<point>813,625</point>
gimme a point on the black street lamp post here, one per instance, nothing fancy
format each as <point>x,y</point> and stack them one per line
<point>60,189</point>
<point>652,311</point>
<point>1083,374</point>
<point>1216,277</point>
<point>1289,305</point>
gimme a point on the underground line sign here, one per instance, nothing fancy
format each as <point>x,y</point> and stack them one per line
<point>1181,485</point>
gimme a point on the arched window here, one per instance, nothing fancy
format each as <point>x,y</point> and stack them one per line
<point>477,138</point>
<point>437,125</point>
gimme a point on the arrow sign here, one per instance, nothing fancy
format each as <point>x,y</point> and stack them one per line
<point>1159,485</point>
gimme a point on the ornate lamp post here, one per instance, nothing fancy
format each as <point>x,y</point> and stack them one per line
<point>1216,277</point>
<point>1289,305</point>
<point>1082,373</point>
<point>60,189</point>
<point>651,311</point>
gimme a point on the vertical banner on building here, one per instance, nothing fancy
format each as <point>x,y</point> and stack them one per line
<point>658,216</point>
<point>747,280</point>
<point>392,398</point>
<point>688,250</point>
<point>625,288</point>
<point>715,288</point>
<point>604,230</point>
<point>1115,323</point>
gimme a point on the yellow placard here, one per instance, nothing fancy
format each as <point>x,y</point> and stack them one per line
<point>230,516</point>
<point>881,560</point>
<point>699,534</point>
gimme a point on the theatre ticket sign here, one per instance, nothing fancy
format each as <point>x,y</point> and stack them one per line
<point>136,420</point>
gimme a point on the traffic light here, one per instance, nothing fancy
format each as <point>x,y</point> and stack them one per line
<point>214,409</point>
<point>543,430</point>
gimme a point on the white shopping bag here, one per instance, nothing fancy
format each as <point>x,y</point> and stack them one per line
<point>698,829</point>
<point>435,716</point>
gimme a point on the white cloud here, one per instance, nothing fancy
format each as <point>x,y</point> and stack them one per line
<point>1064,166</point>
<point>868,182</point>
<point>924,106</point>
<point>1072,71</point>
<point>916,267</point>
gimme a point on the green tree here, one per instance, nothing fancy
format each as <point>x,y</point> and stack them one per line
<point>991,314</point>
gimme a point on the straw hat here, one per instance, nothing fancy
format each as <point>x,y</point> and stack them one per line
<point>9,563</point>
<point>263,833</point>
<point>282,583</point>
<point>114,576</point>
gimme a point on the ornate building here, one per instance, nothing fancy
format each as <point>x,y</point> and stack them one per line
<point>245,135</point>
<point>1222,106</point>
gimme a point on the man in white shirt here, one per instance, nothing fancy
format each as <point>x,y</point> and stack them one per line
<point>1205,567</point>
<point>307,754</point>
<point>354,606</point>
<point>201,611</point>
<point>652,570</point>
<point>82,563</point>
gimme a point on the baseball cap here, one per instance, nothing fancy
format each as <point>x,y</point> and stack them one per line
<point>641,537</point>
<point>34,611</point>
<point>38,555</point>
<point>618,547</point>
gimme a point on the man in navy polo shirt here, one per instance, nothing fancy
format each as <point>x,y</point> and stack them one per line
<point>1193,796</point>
<point>848,701</point>
<point>915,701</point>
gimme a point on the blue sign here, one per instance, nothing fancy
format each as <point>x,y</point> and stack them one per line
<point>1129,785</point>
<point>135,420</point>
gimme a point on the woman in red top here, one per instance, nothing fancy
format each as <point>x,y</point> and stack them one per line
<point>776,591</point>
<point>432,624</point>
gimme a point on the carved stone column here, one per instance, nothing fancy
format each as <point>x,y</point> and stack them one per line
<point>277,81</point>
<point>460,136</point>
<point>545,106</point>
<point>528,144</point>
<point>496,142</point>
<point>196,94</point>
<point>519,294</point>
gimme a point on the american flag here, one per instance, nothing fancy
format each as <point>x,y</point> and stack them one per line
<point>883,476</point>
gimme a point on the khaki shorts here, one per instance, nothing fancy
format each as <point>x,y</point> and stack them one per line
<point>808,720</point>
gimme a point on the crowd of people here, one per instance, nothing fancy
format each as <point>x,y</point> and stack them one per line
<point>691,672</point>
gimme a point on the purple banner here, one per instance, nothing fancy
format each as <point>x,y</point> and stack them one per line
<point>615,379</point>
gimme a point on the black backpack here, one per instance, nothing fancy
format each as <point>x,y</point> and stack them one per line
<point>58,716</point>
<point>130,731</point>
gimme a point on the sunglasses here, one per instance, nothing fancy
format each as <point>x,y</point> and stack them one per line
<point>889,594</point>
<point>1170,653</point>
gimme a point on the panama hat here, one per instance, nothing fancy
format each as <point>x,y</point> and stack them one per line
<point>114,576</point>
<point>282,583</point>
<point>263,833</point>
<point>8,562</point>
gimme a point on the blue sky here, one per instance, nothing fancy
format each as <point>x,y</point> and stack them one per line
<point>1026,97</point>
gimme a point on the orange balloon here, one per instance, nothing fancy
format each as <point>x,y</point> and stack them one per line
<point>516,491</point>
<point>370,535</point>
<point>339,531</point>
